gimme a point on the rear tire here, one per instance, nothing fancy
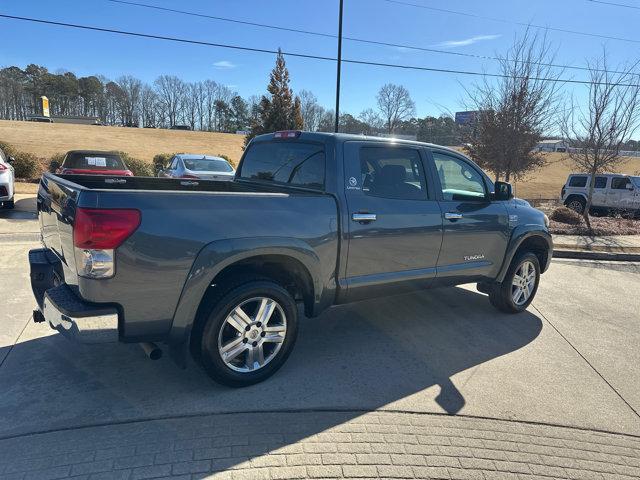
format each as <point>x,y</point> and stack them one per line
<point>576,204</point>
<point>249,333</point>
<point>520,284</point>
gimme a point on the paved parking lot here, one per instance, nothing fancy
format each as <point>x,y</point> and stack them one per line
<point>370,390</point>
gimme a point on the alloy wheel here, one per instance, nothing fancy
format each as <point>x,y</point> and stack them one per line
<point>524,282</point>
<point>252,334</point>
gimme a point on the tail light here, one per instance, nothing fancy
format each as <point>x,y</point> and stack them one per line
<point>96,234</point>
<point>128,173</point>
<point>3,167</point>
<point>562,192</point>
<point>193,177</point>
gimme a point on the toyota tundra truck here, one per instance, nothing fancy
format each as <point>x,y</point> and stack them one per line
<point>220,270</point>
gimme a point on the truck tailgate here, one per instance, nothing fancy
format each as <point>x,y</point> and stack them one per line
<point>56,202</point>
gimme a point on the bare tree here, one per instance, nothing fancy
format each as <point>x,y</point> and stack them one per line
<point>149,108</point>
<point>311,110</point>
<point>129,101</point>
<point>372,120</point>
<point>171,91</point>
<point>596,132</point>
<point>514,111</point>
<point>395,104</point>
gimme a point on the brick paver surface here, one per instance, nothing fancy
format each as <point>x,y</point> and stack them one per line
<point>321,445</point>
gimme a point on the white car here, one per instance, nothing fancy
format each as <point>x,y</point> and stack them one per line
<point>204,167</point>
<point>6,181</point>
<point>612,192</point>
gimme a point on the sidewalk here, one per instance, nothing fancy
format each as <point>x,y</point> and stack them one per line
<point>322,445</point>
<point>614,247</point>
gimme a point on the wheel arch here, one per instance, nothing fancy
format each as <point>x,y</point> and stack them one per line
<point>529,239</point>
<point>283,260</point>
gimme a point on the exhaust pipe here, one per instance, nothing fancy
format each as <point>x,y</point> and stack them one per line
<point>151,350</point>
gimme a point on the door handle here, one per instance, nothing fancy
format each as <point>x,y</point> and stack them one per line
<point>453,216</point>
<point>364,217</point>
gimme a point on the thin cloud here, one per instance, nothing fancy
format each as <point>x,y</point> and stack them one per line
<point>224,65</point>
<point>467,41</point>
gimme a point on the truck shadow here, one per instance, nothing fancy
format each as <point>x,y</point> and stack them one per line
<point>354,358</point>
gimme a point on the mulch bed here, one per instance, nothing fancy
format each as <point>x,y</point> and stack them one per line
<point>600,225</point>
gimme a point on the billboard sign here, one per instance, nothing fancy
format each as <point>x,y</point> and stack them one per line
<point>45,106</point>
<point>466,118</point>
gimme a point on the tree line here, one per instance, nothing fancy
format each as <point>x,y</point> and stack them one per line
<point>204,105</point>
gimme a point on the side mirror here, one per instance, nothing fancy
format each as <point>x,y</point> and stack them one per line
<point>503,191</point>
<point>629,186</point>
<point>53,166</point>
<point>11,160</point>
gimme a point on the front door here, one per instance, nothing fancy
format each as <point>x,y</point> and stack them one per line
<point>476,229</point>
<point>621,194</point>
<point>394,222</point>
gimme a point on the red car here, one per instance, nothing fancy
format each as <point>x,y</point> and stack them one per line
<point>93,162</point>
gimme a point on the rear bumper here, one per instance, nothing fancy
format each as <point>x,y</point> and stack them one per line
<point>66,312</point>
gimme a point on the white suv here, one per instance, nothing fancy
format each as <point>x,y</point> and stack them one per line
<point>6,181</point>
<point>612,192</point>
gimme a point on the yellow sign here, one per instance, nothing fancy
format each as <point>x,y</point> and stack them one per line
<point>45,106</point>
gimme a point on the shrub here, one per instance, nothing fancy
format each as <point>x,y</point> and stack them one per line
<point>140,168</point>
<point>160,161</point>
<point>566,215</point>
<point>26,165</point>
<point>8,150</point>
<point>56,157</point>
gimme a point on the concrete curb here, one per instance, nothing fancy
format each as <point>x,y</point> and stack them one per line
<point>597,255</point>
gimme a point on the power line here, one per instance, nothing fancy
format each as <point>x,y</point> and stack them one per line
<point>296,54</point>
<point>614,4</point>
<point>352,39</point>
<point>513,22</point>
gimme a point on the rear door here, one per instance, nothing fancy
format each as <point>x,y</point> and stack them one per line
<point>600,190</point>
<point>476,229</point>
<point>394,223</point>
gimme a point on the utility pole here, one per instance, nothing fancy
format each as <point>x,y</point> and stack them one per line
<point>339,66</point>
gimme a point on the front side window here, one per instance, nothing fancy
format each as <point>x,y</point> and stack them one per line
<point>620,183</point>
<point>294,163</point>
<point>458,179</point>
<point>601,182</point>
<point>392,173</point>
<point>579,181</point>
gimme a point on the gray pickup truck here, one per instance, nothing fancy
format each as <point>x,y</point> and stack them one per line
<point>217,269</point>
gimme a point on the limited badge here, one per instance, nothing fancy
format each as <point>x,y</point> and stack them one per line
<point>353,182</point>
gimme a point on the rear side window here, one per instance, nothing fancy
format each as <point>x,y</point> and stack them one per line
<point>620,183</point>
<point>578,181</point>
<point>294,163</point>
<point>392,173</point>
<point>94,161</point>
<point>601,182</point>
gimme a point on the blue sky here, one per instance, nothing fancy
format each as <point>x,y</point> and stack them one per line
<point>86,53</point>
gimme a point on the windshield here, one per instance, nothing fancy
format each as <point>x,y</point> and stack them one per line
<point>94,161</point>
<point>295,163</point>
<point>207,165</point>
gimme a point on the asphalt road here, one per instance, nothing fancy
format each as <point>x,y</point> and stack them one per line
<point>572,359</point>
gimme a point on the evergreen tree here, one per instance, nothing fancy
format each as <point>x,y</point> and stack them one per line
<point>282,110</point>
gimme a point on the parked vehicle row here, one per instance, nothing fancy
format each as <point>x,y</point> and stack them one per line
<point>612,193</point>
<point>311,219</point>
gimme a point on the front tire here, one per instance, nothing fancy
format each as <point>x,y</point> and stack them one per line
<point>520,284</point>
<point>249,334</point>
<point>9,204</point>
<point>577,204</point>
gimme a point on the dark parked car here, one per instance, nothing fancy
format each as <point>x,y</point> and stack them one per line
<point>180,127</point>
<point>92,162</point>
<point>217,269</point>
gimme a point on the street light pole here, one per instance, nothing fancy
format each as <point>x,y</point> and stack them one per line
<point>338,71</point>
